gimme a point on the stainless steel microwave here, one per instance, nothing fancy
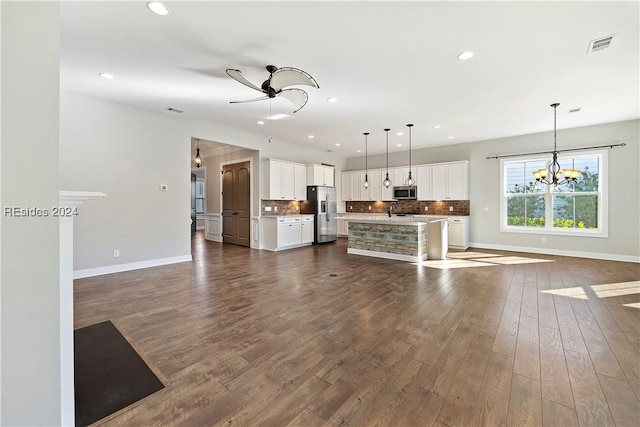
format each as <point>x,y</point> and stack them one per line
<point>405,192</point>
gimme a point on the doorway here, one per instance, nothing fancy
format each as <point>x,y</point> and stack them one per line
<point>236,202</point>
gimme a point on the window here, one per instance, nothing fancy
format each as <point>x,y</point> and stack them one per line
<point>199,197</point>
<point>571,209</point>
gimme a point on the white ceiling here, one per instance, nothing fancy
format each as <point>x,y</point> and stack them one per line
<point>388,63</point>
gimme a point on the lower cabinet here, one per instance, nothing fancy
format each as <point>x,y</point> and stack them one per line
<point>458,234</point>
<point>343,227</point>
<point>287,232</point>
<point>306,226</point>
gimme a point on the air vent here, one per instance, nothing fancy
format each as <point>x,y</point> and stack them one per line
<point>600,44</point>
<point>175,110</point>
<point>574,110</point>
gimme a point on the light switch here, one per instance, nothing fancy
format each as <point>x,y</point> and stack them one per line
<point>163,187</point>
<point>267,208</point>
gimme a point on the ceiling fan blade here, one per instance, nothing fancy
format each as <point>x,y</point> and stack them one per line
<point>288,76</point>
<point>249,100</point>
<point>237,76</point>
<point>297,96</point>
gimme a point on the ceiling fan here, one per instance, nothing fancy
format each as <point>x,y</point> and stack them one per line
<point>279,79</point>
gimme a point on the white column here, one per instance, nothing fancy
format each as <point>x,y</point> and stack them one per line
<point>71,199</point>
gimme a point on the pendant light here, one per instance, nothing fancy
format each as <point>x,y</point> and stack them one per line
<point>366,182</point>
<point>554,175</point>
<point>387,181</point>
<point>198,160</point>
<point>410,181</point>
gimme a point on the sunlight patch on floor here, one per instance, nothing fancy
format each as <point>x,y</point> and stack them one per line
<point>600,291</point>
<point>478,259</point>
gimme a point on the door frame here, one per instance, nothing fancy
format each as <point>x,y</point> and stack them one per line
<point>223,163</point>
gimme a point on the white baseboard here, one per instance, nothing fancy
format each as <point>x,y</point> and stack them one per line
<point>99,271</point>
<point>558,252</point>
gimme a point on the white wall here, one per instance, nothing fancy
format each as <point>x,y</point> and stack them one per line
<point>30,246</point>
<point>484,187</point>
<point>127,153</point>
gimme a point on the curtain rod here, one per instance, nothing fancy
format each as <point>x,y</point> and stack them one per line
<point>622,144</point>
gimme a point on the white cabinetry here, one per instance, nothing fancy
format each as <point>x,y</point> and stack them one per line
<point>287,232</point>
<point>320,175</point>
<point>306,229</point>
<point>401,174</point>
<point>300,182</point>
<point>450,181</point>
<point>286,180</point>
<point>343,227</point>
<point>423,182</point>
<point>458,233</point>
<point>350,186</point>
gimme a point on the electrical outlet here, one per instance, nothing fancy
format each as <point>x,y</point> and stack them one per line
<point>426,208</point>
<point>267,208</point>
<point>369,207</point>
<point>350,207</point>
<point>163,187</point>
<point>297,208</point>
<point>116,253</point>
<point>544,240</point>
<point>450,208</point>
<point>275,209</point>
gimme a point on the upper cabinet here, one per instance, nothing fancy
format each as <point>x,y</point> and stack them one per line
<point>450,181</point>
<point>445,181</point>
<point>320,175</point>
<point>286,180</point>
<point>423,182</point>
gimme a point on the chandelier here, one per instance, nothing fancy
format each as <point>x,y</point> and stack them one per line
<point>554,174</point>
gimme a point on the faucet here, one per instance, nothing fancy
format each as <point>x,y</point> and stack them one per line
<point>391,206</point>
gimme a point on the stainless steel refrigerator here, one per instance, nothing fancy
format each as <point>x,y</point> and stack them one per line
<point>321,201</point>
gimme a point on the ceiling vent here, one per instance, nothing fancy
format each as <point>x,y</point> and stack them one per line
<point>175,110</point>
<point>600,44</point>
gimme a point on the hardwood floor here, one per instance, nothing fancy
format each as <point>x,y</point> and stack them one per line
<point>315,337</point>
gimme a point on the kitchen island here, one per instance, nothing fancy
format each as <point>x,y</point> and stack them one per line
<point>401,238</point>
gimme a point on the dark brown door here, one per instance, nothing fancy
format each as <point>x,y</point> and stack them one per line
<point>236,218</point>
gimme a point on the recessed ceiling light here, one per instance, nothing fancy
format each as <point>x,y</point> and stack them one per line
<point>358,151</point>
<point>260,122</point>
<point>158,8</point>
<point>465,55</point>
<point>310,136</point>
<point>106,76</point>
<point>398,145</point>
<point>337,145</point>
<point>277,116</point>
<point>332,99</point>
<point>400,133</point>
<point>451,137</point>
<point>437,127</point>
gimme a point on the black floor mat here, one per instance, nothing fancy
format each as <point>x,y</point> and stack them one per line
<point>109,374</point>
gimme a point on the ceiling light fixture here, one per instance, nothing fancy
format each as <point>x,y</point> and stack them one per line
<point>437,127</point>
<point>106,76</point>
<point>410,181</point>
<point>558,176</point>
<point>400,133</point>
<point>260,122</point>
<point>465,55</point>
<point>387,181</point>
<point>310,137</point>
<point>332,99</point>
<point>338,145</point>
<point>158,8</point>
<point>198,160</point>
<point>366,182</point>
<point>450,137</point>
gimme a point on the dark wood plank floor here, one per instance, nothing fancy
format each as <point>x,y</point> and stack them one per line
<point>314,336</point>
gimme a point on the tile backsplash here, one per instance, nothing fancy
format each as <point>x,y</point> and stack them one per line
<point>440,207</point>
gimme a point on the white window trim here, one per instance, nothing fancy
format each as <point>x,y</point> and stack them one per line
<point>603,200</point>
